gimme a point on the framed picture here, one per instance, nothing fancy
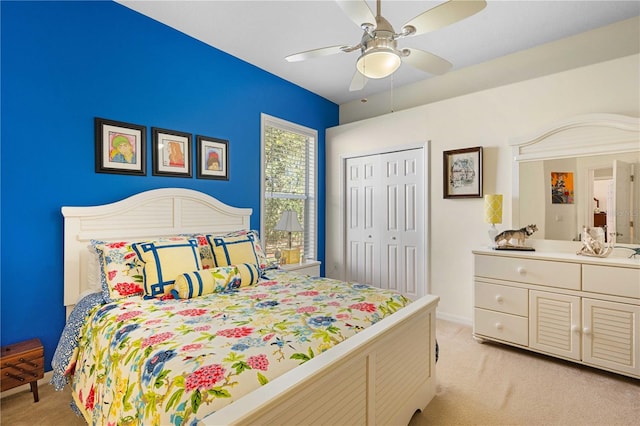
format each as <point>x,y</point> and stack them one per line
<point>212,158</point>
<point>462,173</point>
<point>120,147</point>
<point>561,187</point>
<point>171,153</point>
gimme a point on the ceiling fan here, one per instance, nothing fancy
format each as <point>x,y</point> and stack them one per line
<point>380,56</point>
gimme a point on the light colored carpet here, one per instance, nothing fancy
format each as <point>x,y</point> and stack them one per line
<point>478,384</point>
<point>492,384</point>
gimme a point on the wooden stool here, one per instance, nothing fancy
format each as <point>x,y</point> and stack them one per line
<point>22,363</point>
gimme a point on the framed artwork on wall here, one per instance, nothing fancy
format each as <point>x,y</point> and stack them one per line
<point>462,173</point>
<point>171,153</point>
<point>562,187</point>
<point>120,147</point>
<point>212,158</point>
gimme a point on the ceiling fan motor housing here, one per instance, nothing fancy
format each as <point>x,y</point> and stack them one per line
<point>380,56</point>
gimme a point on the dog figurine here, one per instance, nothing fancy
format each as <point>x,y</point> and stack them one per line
<point>516,234</point>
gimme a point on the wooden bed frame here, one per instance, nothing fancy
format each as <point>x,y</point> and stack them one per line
<point>382,375</point>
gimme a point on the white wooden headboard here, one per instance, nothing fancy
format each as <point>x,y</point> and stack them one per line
<point>149,214</point>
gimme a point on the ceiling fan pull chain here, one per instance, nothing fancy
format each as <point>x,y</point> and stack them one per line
<point>391,93</point>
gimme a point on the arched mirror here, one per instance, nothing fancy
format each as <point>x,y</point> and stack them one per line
<point>579,172</point>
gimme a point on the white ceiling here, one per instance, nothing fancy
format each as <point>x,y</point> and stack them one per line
<point>263,32</point>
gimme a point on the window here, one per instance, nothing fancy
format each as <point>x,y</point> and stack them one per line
<point>288,183</point>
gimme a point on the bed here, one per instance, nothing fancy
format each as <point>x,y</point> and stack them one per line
<point>379,368</point>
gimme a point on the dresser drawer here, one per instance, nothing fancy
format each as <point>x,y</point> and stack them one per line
<point>497,325</point>
<point>21,363</point>
<point>623,282</point>
<point>510,300</point>
<point>541,272</point>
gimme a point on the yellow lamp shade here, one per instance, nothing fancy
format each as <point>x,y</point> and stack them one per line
<point>493,208</point>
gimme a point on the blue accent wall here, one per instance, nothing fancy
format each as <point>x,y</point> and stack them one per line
<point>64,63</point>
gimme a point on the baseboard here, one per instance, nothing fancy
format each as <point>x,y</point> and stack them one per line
<point>454,318</point>
<point>26,388</point>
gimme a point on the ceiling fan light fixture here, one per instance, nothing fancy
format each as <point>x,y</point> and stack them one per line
<point>378,63</point>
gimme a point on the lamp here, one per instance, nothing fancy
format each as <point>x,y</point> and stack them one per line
<point>493,214</point>
<point>289,222</point>
<point>378,62</point>
<point>380,55</point>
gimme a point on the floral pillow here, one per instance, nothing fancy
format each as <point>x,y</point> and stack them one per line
<point>206,256</point>
<point>121,270</point>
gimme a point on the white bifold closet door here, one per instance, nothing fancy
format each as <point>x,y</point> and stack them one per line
<point>385,223</point>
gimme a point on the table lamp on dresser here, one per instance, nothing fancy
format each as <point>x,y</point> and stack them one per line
<point>289,222</point>
<point>493,214</point>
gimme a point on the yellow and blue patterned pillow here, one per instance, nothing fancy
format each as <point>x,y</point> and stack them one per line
<point>234,249</point>
<point>163,262</point>
<point>216,280</point>
<point>249,274</point>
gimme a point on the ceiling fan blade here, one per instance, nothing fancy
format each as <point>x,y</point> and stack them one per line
<point>309,54</point>
<point>427,62</point>
<point>358,12</point>
<point>358,82</point>
<point>444,14</point>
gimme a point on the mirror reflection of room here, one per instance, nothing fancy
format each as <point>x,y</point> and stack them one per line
<point>602,191</point>
<point>602,194</point>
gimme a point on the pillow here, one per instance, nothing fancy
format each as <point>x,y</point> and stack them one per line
<point>233,250</point>
<point>93,270</point>
<point>262,257</point>
<point>206,256</point>
<point>163,262</point>
<point>249,274</point>
<point>120,270</point>
<point>199,283</point>
<point>216,280</point>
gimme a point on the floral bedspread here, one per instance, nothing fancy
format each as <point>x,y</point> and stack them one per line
<point>160,362</point>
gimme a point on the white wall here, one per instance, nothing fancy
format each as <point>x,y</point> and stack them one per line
<point>488,118</point>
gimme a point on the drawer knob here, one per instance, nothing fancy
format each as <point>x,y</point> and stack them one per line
<point>33,364</point>
<point>521,270</point>
<point>499,299</point>
<point>13,376</point>
<point>499,326</point>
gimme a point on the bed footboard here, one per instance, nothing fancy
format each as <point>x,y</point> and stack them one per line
<point>381,376</point>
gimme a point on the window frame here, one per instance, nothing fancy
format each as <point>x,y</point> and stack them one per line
<point>310,232</point>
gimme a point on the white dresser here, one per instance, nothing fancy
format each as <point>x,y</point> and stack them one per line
<point>578,308</point>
